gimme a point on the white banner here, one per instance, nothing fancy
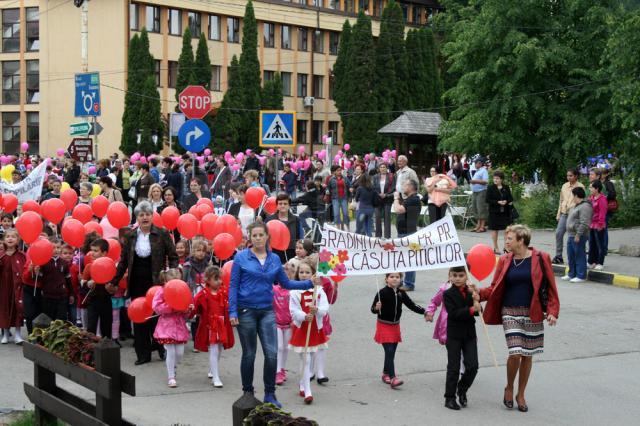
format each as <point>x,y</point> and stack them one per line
<point>30,188</point>
<point>347,253</point>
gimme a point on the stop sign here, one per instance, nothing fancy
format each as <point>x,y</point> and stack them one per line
<point>195,101</point>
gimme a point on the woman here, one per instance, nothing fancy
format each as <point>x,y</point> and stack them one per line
<point>143,184</point>
<point>170,198</point>
<point>245,214</point>
<point>513,300</point>
<point>291,221</point>
<point>155,196</point>
<point>175,180</point>
<point>71,173</point>
<point>196,193</point>
<point>108,190</point>
<point>597,227</point>
<point>500,203</point>
<point>86,188</point>
<point>123,178</point>
<point>146,252</point>
<point>221,178</point>
<point>439,187</point>
<point>103,168</point>
<point>366,199</point>
<point>384,184</point>
<point>338,190</point>
<point>254,272</point>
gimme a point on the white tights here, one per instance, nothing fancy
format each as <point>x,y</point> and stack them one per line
<point>174,356</point>
<point>16,333</point>
<point>318,363</point>
<point>305,374</point>
<point>284,335</point>
<point>214,358</point>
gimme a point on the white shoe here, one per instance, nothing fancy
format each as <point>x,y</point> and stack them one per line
<point>172,383</point>
<point>598,268</point>
<point>591,266</point>
<point>210,375</point>
<point>565,278</point>
<point>577,280</point>
<point>216,382</point>
<point>18,340</point>
<point>4,340</point>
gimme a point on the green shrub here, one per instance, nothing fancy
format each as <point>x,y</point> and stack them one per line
<point>540,208</point>
<point>628,213</point>
<point>28,418</point>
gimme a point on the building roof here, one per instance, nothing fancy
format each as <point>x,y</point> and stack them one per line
<point>413,123</point>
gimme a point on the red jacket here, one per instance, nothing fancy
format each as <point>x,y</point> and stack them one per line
<point>494,293</point>
<point>214,325</point>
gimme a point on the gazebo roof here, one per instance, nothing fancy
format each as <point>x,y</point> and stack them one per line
<point>413,123</point>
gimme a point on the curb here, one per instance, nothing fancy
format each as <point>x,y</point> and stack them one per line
<point>611,278</point>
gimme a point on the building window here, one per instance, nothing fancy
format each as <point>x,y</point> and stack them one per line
<point>33,131</point>
<point>303,35</point>
<point>11,30</point>
<point>134,16</point>
<point>33,82</point>
<point>316,131</point>
<point>286,83</point>
<point>302,2</point>
<point>405,12</point>
<point>268,76</point>
<point>364,6</point>
<point>350,6</point>
<point>153,19</point>
<point>302,85</point>
<point>378,6</point>
<point>10,131</point>
<point>157,66</point>
<point>334,42</point>
<point>233,30</point>
<point>318,82</point>
<point>285,37</point>
<point>175,22</point>
<point>269,33</point>
<point>195,24</point>
<point>317,3</point>
<point>318,41</point>
<point>333,131</point>
<point>11,82</point>
<point>216,71</point>
<point>415,18</point>
<point>33,29</point>
<point>214,27</point>
<point>301,126</point>
<point>334,4</point>
<point>173,74</point>
<point>429,16</point>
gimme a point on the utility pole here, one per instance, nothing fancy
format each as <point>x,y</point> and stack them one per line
<point>84,60</point>
<point>313,77</point>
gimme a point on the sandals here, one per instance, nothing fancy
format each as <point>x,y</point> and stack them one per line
<point>508,404</point>
<point>522,408</point>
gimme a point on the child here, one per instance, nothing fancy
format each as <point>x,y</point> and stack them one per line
<point>387,304</point>
<point>98,298</point>
<point>6,223</point>
<point>462,305</point>
<point>306,313</point>
<point>303,248</point>
<point>182,250</point>
<point>56,284</point>
<point>214,329</point>
<point>83,259</point>
<point>12,263</point>
<point>171,330</point>
<point>118,302</point>
<point>283,324</point>
<point>331,290</point>
<point>193,274</point>
<point>66,254</point>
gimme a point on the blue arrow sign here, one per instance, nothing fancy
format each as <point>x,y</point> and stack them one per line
<point>88,95</point>
<point>194,135</point>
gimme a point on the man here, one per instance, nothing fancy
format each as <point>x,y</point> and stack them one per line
<point>566,203</point>
<point>578,221</point>
<point>16,177</point>
<point>407,211</point>
<point>479,183</point>
<point>372,164</point>
<point>153,170</point>
<point>404,173</point>
<point>252,162</point>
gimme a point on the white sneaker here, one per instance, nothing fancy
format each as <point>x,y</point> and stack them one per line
<point>4,340</point>
<point>577,280</point>
<point>18,340</point>
<point>172,383</point>
<point>591,266</point>
<point>598,268</point>
<point>210,375</point>
<point>566,278</point>
<point>216,382</point>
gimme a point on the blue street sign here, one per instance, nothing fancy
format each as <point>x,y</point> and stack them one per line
<point>277,128</point>
<point>88,95</point>
<point>194,135</point>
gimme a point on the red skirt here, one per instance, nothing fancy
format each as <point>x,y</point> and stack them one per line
<point>317,338</point>
<point>387,333</point>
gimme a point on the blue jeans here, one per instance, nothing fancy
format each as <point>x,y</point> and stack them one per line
<point>577,257</point>
<point>340,204</point>
<point>364,221</point>
<point>258,323</point>
<point>409,277</point>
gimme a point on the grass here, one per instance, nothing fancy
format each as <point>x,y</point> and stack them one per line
<point>28,418</point>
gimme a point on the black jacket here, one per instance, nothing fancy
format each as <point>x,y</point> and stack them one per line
<point>460,322</point>
<point>494,195</point>
<point>252,163</point>
<point>392,300</point>
<point>309,199</point>
<point>389,188</point>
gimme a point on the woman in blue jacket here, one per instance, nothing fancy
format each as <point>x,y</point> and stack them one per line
<point>254,272</point>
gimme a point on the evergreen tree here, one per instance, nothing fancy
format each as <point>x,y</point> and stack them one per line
<point>131,99</point>
<point>250,78</point>
<point>145,66</point>
<point>340,74</point>
<point>150,118</point>
<point>202,71</point>
<point>430,59</point>
<point>272,94</point>
<point>228,121</point>
<point>186,75</point>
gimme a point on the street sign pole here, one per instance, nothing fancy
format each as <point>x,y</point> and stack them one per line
<point>95,139</point>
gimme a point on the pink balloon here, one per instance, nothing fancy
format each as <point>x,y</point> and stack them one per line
<point>347,147</point>
<point>143,159</point>
<point>322,155</point>
<point>301,149</point>
<point>239,157</point>
<point>108,231</point>
<point>92,170</point>
<point>347,164</point>
<point>235,167</point>
<point>247,152</point>
<point>307,164</point>
<point>207,152</point>
<point>4,160</point>
<point>271,151</point>
<point>336,159</point>
<point>366,157</point>
<point>294,166</point>
<point>324,138</point>
<point>24,146</point>
<point>393,153</point>
<point>135,156</point>
<point>60,152</point>
<point>262,160</point>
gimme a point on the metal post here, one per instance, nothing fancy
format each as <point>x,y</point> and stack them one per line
<point>95,137</point>
<point>84,36</point>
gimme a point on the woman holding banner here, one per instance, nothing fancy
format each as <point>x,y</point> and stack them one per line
<point>516,301</point>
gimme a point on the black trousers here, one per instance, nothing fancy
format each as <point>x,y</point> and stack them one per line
<point>436,213</point>
<point>383,215</point>
<point>469,348</point>
<point>99,308</point>
<point>141,280</point>
<point>31,305</point>
<point>56,309</point>
<point>389,356</point>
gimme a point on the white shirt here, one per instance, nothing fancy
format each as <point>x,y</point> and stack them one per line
<point>247,216</point>
<point>143,245</point>
<point>383,182</point>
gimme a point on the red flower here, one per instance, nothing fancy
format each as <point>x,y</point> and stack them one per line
<point>343,256</point>
<point>389,247</point>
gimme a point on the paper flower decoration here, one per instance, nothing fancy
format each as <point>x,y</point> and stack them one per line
<point>414,246</point>
<point>333,261</point>
<point>340,269</point>
<point>324,255</point>
<point>323,268</point>
<point>389,247</point>
<point>343,256</point>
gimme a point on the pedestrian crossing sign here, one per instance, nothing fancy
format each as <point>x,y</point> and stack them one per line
<point>277,129</point>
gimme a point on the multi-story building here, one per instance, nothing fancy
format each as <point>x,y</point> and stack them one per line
<point>41,53</point>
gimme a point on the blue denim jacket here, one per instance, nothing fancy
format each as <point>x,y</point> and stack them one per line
<point>251,283</point>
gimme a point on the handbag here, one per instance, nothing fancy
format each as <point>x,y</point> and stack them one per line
<point>132,192</point>
<point>514,213</point>
<point>612,206</point>
<point>543,291</point>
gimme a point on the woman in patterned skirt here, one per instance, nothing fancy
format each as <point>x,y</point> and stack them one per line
<point>513,300</point>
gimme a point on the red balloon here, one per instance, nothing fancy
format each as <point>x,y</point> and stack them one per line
<point>195,212</point>
<point>270,206</point>
<point>226,274</point>
<point>206,201</point>
<point>224,245</point>
<point>69,198</point>
<point>225,223</point>
<point>9,203</point>
<point>118,215</point>
<point>254,196</point>
<point>139,311</point>
<point>29,226</point>
<point>114,249</point>
<point>208,225</point>
<point>99,205</point>
<point>188,225</point>
<point>237,235</point>
<point>53,210</point>
<point>279,236</point>
<point>157,220</point>
<point>170,217</point>
<point>481,261</point>
<point>177,295</point>
<point>204,209</point>
<point>337,278</point>
<point>73,232</point>
<point>92,226</point>
<point>151,294</point>
<point>31,206</point>
<point>103,270</point>
<point>40,252</point>
<point>83,213</point>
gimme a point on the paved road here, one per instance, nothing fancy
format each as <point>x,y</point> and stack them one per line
<point>587,375</point>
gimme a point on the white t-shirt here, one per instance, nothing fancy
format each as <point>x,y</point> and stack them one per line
<point>247,216</point>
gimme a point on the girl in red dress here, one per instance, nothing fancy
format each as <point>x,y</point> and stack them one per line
<point>214,329</point>
<point>307,311</point>
<point>12,264</point>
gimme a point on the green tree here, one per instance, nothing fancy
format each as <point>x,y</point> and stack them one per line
<point>340,74</point>
<point>202,70</point>
<point>250,78</point>
<point>272,97</point>
<point>150,118</point>
<point>185,77</point>
<point>131,99</point>
<point>228,121</point>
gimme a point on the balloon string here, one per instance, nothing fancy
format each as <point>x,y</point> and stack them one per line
<point>262,204</point>
<point>35,286</point>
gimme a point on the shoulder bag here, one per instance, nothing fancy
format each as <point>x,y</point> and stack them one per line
<point>543,291</point>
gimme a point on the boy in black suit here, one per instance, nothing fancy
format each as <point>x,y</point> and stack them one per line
<point>462,305</point>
